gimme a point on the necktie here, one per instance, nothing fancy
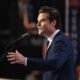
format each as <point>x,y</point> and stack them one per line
<point>47,43</point>
<point>44,49</point>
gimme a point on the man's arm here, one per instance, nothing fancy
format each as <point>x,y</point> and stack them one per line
<point>57,58</point>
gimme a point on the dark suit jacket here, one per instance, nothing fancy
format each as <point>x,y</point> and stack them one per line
<point>59,60</point>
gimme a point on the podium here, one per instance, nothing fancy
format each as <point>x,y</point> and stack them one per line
<point>8,79</point>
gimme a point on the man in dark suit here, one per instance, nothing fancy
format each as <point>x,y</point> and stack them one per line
<point>58,62</point>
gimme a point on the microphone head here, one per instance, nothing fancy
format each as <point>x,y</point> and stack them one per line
<point>26,34</point>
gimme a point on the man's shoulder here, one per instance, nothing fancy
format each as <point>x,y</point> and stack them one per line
<point>61,37</point>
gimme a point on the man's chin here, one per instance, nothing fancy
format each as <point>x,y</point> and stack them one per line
<point>40,32</point>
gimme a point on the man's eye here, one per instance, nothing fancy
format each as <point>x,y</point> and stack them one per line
<point>41,21</point>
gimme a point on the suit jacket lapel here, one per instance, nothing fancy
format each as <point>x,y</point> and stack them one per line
<point>52,44</point>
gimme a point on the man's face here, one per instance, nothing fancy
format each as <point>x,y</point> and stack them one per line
<point>44,25</point>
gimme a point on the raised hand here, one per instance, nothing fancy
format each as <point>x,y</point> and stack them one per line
<point>16,57</point>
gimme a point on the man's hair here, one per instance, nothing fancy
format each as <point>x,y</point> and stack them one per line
<point>53,15</point>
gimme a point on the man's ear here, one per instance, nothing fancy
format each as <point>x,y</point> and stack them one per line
<point>53,23</point>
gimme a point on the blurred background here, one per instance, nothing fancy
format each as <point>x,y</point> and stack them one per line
<point>20,16</point>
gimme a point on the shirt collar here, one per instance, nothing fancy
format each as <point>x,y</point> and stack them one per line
<point>52,36</point>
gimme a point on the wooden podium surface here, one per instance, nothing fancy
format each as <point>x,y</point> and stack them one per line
<point>8,79</point>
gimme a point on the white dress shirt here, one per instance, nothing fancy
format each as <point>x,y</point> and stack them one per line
<point>51,38</point>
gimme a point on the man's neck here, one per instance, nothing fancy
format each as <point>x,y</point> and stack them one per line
<point>50,33</point>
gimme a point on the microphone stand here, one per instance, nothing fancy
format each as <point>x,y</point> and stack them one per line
<point>11,45</point>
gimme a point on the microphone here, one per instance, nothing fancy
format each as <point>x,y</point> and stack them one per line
<point>12,43</point>
<point>24,35</point>
<point>20,38</point>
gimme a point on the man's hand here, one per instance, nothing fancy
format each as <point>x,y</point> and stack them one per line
<point>16,57</point>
